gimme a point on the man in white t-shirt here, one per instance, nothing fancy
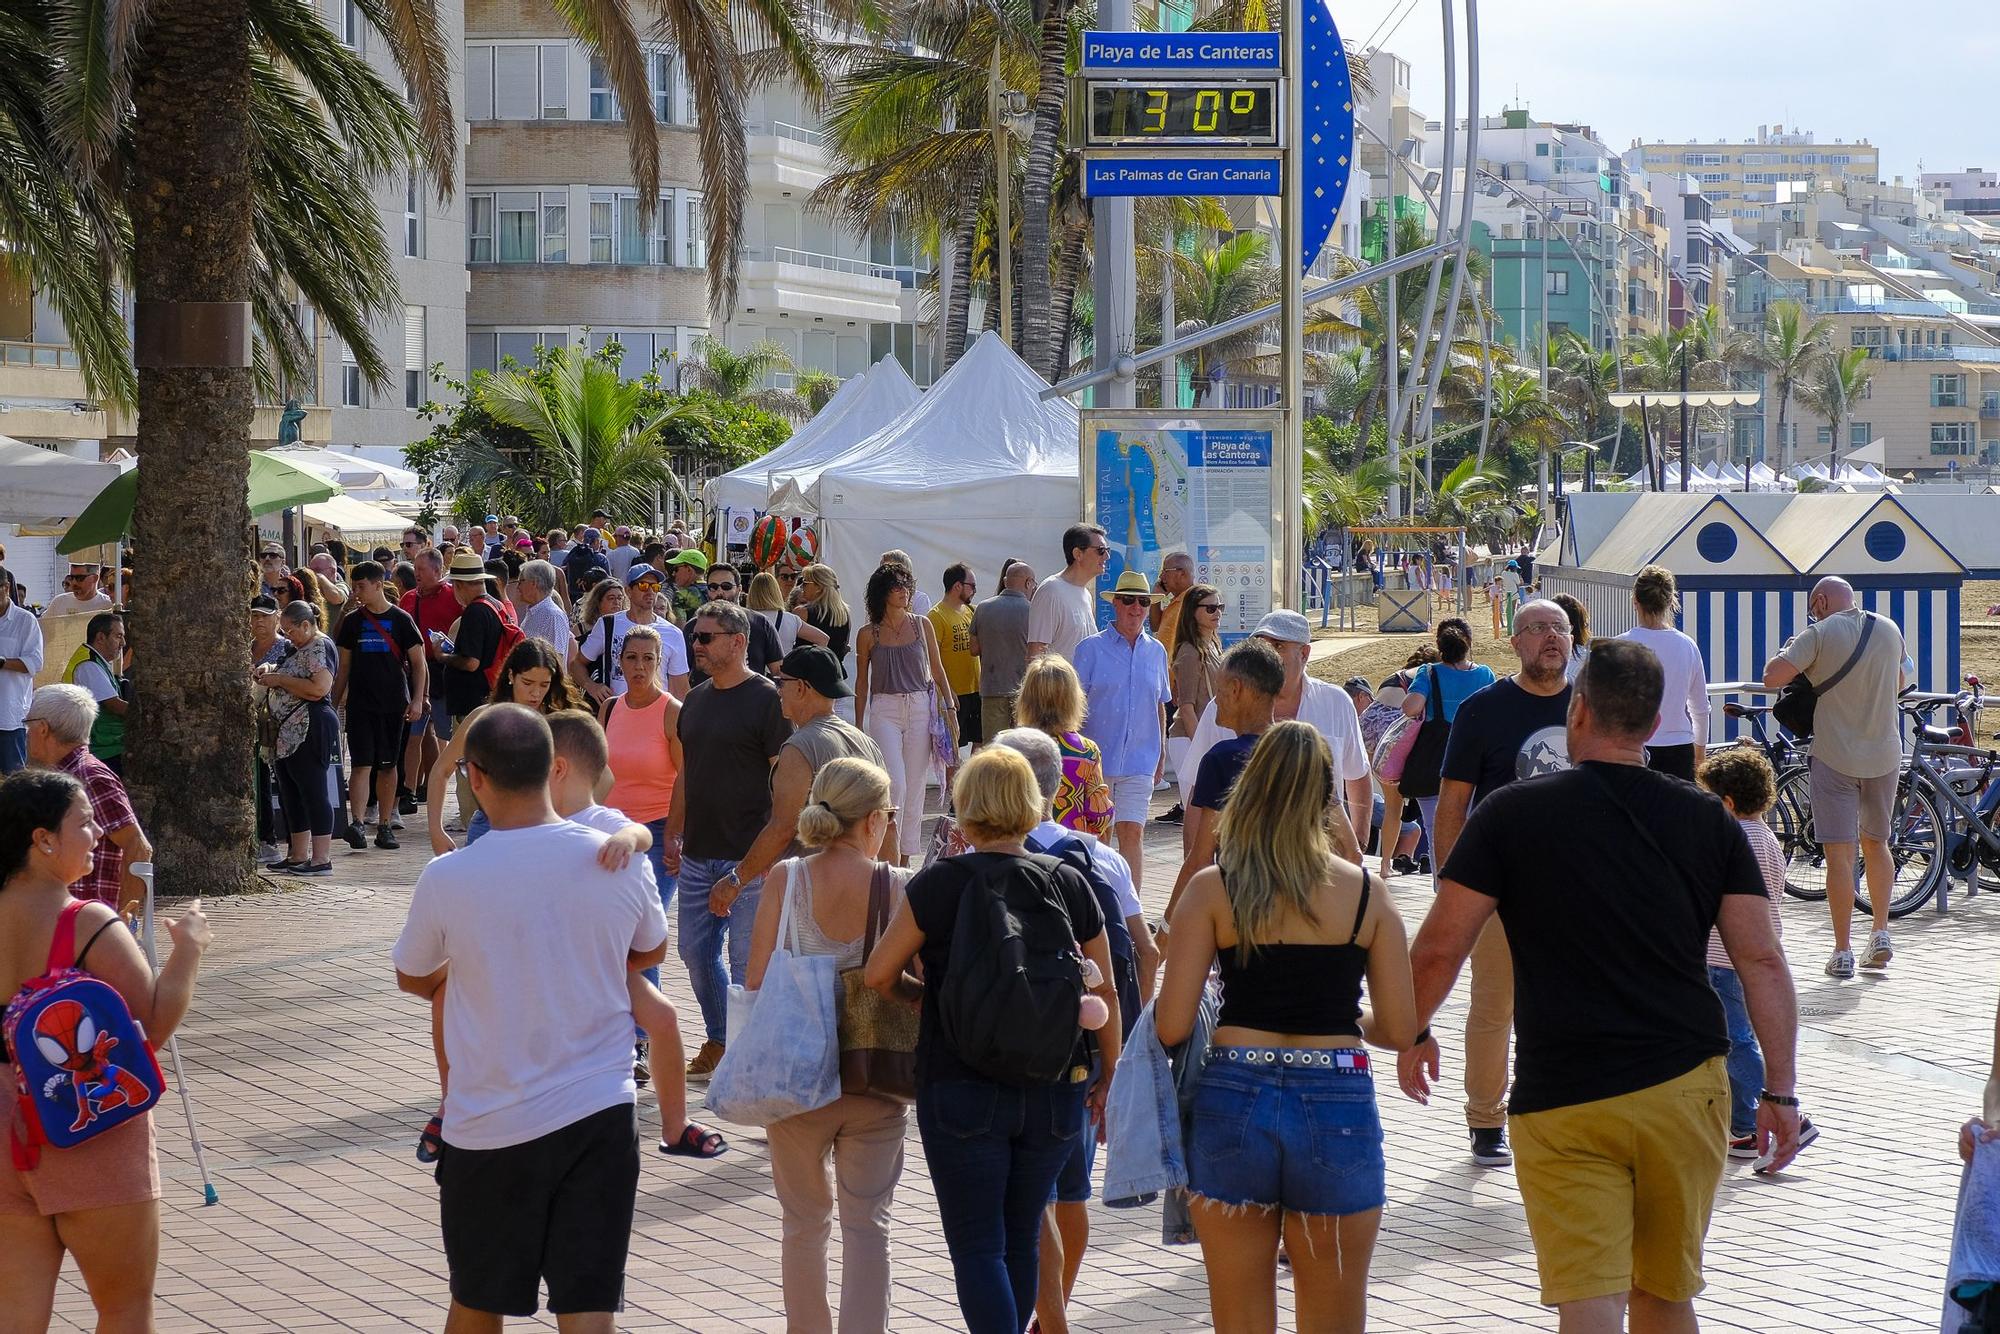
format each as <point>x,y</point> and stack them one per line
<point>594,664</point>
<point>81,593</point>
<point>541,1168</point>
<point>1322,704</point>
<point>1064,609</point>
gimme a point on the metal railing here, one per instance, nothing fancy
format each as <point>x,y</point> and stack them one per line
<point>47,356</point>
<point>1942,352</point>
<point>813,259</point>
<point>798,134</point>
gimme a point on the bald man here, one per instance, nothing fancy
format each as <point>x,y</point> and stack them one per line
<point>1513,729</point>
<point>1856,753</point>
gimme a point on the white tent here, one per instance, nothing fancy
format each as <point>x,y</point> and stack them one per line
<point>863,405</point>
<point>981,469</point>
<point>355,475</point>
<point>41,488</point>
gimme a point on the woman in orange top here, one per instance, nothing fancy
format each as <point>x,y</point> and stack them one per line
<point>643,729</point>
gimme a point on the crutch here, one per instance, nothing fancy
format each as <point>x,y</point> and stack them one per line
<point>144,872</point>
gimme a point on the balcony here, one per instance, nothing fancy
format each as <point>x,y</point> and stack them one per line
<point>780,280</point>
<point>42,393</point>
<point>1967,352</point>
<point>785,158</point>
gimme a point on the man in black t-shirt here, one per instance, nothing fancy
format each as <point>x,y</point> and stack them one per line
<point>1620,1113</point>
<point>383,681</point>
<point>1510,730</point>
<point>1245,694</point>
<point>474,645</point>
<point>731,728</point>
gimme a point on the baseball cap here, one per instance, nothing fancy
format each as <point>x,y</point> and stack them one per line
<point>492,518</point>
<point>818,668</point>
<point>641,570</point>
<point>622,530</point>
<point>265,603</point>
<point>1287,627</point>
<point>592,535</point>
<point>688,556</point>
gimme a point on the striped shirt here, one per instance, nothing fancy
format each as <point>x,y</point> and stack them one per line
<point>1771,861</point>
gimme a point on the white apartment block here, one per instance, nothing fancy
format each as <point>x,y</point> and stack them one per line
<point>1745,179</point>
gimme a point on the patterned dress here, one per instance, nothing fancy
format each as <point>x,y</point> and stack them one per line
<point>1083,801</point>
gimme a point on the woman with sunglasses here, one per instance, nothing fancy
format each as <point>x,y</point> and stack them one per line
<point>899,681</point>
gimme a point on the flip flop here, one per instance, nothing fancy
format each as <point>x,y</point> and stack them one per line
<point>695,1142</point>
<point>430,1144</point>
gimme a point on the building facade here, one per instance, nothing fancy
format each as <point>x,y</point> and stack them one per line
<point>1743,179</point>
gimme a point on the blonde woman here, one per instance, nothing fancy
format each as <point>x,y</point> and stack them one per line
<point>1295,930</point>
<point>767,599</point>
<point>899,681</point>
<point>1678,744</point>
<point>1051,700</point>
<point>821,606</point>
<point>842,824</point>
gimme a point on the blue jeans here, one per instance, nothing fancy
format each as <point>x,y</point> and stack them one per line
<point>1746,1062</point>
<point>477,827</point>
<point>703,936</point>
<point>994,1154</point>
<point>13,750</point>
<point>656,855</point>
<point>1303,1138</point>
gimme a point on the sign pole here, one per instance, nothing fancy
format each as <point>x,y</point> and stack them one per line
<point>1114,277</point>
<point>1290,460</point>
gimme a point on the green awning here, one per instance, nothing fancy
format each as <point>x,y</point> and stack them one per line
<point>275,484</point>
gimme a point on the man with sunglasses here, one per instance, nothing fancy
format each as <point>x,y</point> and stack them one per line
<point>725,584</point>
<point>1513,729</point>
<point>731,728</point>
<point>81,592</point>
<point>951,620</point>
<point>20,659</point>
<point>278,580</point>
<point>1126,686</point>
<point>1063,613</point>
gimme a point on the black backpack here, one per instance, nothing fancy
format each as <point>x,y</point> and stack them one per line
<point>1013,988</point>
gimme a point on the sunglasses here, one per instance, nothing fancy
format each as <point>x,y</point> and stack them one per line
<point>1131,599</point>
<point>1100,547</point>
<point>722,588</point>
<point>710,636</point>
<point>1215,607</point>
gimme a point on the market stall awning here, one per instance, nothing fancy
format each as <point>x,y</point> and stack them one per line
<point>274,485</point>
<point>358,523</point>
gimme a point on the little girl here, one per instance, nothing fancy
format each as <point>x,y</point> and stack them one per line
<point>1742,777</point>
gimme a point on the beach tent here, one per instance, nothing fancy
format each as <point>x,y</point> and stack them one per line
<point>863,405</point>
<point>982,468</point>
<point>41,488</point>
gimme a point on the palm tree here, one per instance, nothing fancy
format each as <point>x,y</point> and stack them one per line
<point>739,376</point>
<point>573,436</point>
<point>1473,497</point>
<point>1337,497</point>
<point>1840,377</point>
<point>1582,380</point>
<point>1791,345</point>
<point>1522,416</point>
<point>1215,284</point>
<point>158,106</point>
<point>814,390</point>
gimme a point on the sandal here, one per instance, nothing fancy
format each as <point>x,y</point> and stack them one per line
<point>430,1144</point>
<point>695,1142</point>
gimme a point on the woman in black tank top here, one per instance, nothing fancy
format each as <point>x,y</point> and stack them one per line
<point>1287,1143</point>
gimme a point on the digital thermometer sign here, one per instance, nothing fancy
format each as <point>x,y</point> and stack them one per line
<point>1229,112</point>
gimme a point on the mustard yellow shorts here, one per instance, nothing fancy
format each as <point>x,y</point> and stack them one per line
<point>1619,1191</point>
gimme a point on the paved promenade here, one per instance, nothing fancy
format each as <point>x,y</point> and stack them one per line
<point>313,1076</point>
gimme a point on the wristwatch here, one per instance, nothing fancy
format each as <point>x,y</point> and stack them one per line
<point>1776,1099</point>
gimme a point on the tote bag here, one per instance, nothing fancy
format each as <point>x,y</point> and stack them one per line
<point>786,1059</point>
<point>878,1036</point>
<point>1424,763</point>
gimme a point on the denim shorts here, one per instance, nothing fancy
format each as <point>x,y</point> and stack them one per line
<point>1302,1136</point>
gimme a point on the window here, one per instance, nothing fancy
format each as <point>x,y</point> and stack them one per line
<point>489,349</point>
<point>517,80</point>
<point>1859,434</point>
<point>1867,336</point>
<point>695,233</point>
<point>555,229</point>
<point>1558,282</point>
<point>1947,391</point>
<point>555,81</point>
<point>516,90</point>
<point>603,102</point>
<point>1541,150</point>
<point>1823,436</point>
<point>661,75</point>
<point>413,356</point>
<point>517,211</point>
<point>1951,437</point>
<point>412,218</point>
<point>643,349</point>
<point>353,393</point>
<point>618,235</point>
<point>479,229</point>
<point>352,25</point>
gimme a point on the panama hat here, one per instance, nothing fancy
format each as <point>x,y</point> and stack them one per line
<point>1129,583</point>
<point>467,568</point>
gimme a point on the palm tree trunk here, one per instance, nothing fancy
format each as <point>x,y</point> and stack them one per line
<point>1785,453</point>
<point>959,312</point>
<point>1370,406</point>
<point>1069,275</point>
<point>188,762</point>
<point>1037,184</point>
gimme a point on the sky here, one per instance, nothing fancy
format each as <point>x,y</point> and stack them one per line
<point>1717,69</point>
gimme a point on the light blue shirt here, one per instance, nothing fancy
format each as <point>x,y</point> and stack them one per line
<point>1124,686</point>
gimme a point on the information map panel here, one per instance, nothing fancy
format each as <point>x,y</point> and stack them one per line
<point>1224,111</point>
<point>1199,482</point>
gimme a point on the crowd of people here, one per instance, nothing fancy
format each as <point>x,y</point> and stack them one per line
<point>733,753</point>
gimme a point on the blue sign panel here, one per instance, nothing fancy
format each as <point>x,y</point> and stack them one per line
<point>1103,177</point>
<point>1156,51</point>
<point>1327,124</point>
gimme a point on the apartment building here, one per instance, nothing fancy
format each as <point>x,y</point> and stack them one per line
<point>1974,191</point>
<point>1744,179</point>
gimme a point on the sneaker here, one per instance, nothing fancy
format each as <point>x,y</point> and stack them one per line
<point>395,822</point>
<point>373,815</point>
<point>705,1060</point>
<point>1174,814</point>
<point>1880,951</point>
<point>356,836</point>
<point>423,795</point>
<point>271,854</point>
<point>385,837</point>
<point>1403,865</point>
<point>1489,1148</point>
<point>285,865</point>
<point>1808,1132</point>
<point>406,803</point>
<point>1841,965</point>
<point>642,1070</point>
<point>313,868</point>
<point>1743,1147</point>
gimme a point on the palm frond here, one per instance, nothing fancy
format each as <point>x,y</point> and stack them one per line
<point>422,52</point>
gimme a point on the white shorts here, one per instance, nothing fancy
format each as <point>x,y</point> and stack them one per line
<point>1131,798</point>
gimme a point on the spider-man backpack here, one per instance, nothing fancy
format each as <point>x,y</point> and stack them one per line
<point>84,1063</point>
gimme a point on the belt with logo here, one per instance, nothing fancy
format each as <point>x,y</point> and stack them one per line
<point>1350,1059</point>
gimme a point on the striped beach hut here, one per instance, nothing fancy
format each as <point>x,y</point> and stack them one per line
<point>1746,564</point>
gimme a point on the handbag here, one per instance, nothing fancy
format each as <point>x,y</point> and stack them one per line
<point>1798,702</point>
<point>1392,752</point>
<point>943,749</point>
<point>1424,763</point>
<point>785,1061</point>
<point>946,838</point>
<point>878,1036</point>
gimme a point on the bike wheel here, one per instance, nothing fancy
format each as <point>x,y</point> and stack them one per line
<point>1790,818</point>
<point>1916,846</point>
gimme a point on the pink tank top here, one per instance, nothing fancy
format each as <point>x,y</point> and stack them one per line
<point>642,773</point>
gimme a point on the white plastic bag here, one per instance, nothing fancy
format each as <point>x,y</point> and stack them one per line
<point>785,1059</point>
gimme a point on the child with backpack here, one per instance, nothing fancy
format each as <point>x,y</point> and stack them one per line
<point>87,1009</point>
<point>1003,1075</point>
